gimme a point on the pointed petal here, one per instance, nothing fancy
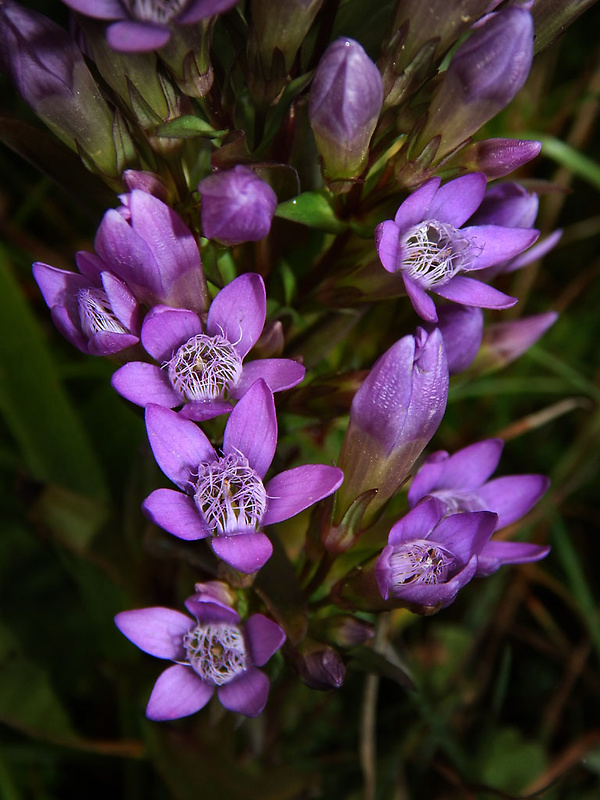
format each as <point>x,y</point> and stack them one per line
<point>252,428</point>
<point>498,244</point>
<point>99,9</point>
<point>434,594</point>
<point>387,242</point>
<point>90,265</point>
<point>427,478</point>
<point>61,317</point>
<point>296,489</point>
<point>465,534</point>
<point>246,695</point>
<point>142,383</point>
<point>129,36</point>
<point>468,468</point>
<point>264,636</point>
<point>415,208</point>
<point>534,253</point>
<point>512,496</point>
<point>157,631</point>
<point>58,286</point>
<point>178,692</point>
<point>457,200</point>
<point>496,554</point>
<point>278,373</point>
<point>165,329</point>
<point>471,292</point>
<point>179,445</point>
<point>122,302</point>
<point>246,552</point>
<point>417,524</point>
<point>176,513</point>
<point>422,303</point>
<point>200,9</point>
<point>238,312</point>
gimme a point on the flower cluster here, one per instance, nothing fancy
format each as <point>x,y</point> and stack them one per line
<point>205,288</point>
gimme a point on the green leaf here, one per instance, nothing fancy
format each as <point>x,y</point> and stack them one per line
<point>53,443</point>
<point>567,156</point>
<point>312,209</point>
<point>188,127</point>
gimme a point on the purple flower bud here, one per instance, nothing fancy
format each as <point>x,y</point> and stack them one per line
<point>497,157</point>
<point>429,557</point>
<point>393,416</point>
<point>506,341</point>
<point>237,206</point>
<point>484,75</point>
<point>142,25</point>
<point>320,666</point>
<point>212,651</point>
<point>49,72</point>
<point>348,631</point>
<point>345,100</point>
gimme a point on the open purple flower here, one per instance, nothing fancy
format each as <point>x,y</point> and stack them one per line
<point>202,365</point>
<point>428,245</point>
<point>224,498</point>
<point>213,651</point>
<point>460,484</point>
<point>430,557</point>
<point>142,25</point>
<point>94,310</point>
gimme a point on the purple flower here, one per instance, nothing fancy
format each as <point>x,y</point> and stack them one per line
<point>430,557</point>
<point>148,246</point>
<point>237,206</point>
<point>344,104</point>
<point>224,497</point>
<point>428,245</point>
<point>498,157</point>
<point>460,484</point>
<point>462,331</point>
<point>211,651</point>
<point>143,25</point>
<point>393,416</point>
<point>202,365</point>
<point>504,342</point>
<point>94,310</point>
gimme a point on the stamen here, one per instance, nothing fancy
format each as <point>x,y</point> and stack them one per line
<point>96,314</point>
<point>159,11</point>
<point>420,562</point>
<point>216,652</point>
<point>433,252</point>
<point>230,495</point>
<point>205,368</point>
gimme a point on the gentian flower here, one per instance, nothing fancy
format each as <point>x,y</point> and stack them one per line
<point>224,498</point>
<point>94,310</point>
<point>237,206</point>
<point>147,245</point>
<point>202,365</point>
<point>212,651</point>
<point>430,557</point>
<point>504,342</point>
<point>460,484</point>
<point>142,25</point>
<point>428,245</point>
<point>462,330</point>
<point>343,107</point>
<point>393,416</point>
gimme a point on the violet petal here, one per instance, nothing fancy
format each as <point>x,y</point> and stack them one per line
<point>252,428</point>
<point>296,489</point>
<point>496,554</point>
<point>264,636</point>
<point>457,200</point>
<point>246,695</point>
<point>142,383</point>
<point>246,552</point>
<point>238,312</point>
<point>178,692</point>
<point>176,513</point>
<point>278,373</point>
<point>387,242</point>
<point>157,631</point>
<point>466,533</point>
<point>417,524</point>
<point>130,36</point>
<point>512,496</point>
<point>498,244</point>
<point>471,292</point>
<point>416,206</point>
<point>422,303</point>
<point>165,329</point>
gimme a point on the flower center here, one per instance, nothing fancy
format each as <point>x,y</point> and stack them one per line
<point>204,368</point>
<point>433,252</point>
<point>420,562</point>
<point>456,501</point>
<point>96,314</point>
<point>159,11</point>
<point>216,652</point>
<point>230,495</point>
